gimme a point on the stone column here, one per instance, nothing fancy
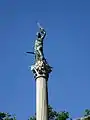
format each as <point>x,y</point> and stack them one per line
<point>41,71</point>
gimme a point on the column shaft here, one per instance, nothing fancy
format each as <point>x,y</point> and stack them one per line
<point>41,99</point>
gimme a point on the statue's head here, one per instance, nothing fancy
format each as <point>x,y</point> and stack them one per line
<point>38,35</point>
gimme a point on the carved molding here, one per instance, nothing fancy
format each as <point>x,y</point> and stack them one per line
<point>41,68</point>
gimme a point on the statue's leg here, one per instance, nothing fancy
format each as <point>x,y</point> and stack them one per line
<point>37,56</point>
<point>41,53</point>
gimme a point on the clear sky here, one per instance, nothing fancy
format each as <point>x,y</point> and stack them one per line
<point>66,47</point>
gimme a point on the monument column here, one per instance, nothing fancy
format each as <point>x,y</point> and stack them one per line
<point>41,72</point>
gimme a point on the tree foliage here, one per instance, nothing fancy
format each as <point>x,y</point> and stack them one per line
<point>7,116</point>
<point>87,112</point>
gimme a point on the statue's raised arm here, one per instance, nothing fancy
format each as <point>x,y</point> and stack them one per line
<point>42,31</point>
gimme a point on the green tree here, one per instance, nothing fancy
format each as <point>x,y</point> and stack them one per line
<point>7,116</point>
<point>62,115</point>
<point>87,112</point>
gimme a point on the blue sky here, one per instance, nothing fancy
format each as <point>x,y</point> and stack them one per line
<point>66,47</point>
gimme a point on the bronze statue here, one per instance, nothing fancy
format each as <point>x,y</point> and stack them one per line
<point>38,48</point>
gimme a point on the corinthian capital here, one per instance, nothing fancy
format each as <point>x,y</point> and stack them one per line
<point>41,68</point>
